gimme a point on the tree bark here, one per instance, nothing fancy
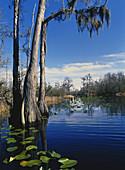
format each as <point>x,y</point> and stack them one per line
<point>16,70</point>
<point>42,104</point>
<point>30,110</point>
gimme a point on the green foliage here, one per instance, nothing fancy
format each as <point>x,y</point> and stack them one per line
<point>22,156</point>
<point>11,149</point>
<point>30,147</point>
<point>41,152</point>
<point>30,138</point>
<point>44,156</point>
<point>68,163</point>
<point>11,140</point>
<point>25,142</point>
<point>45,159</point>
<point>55,155</point>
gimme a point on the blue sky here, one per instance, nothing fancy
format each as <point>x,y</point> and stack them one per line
<point>74,54</point>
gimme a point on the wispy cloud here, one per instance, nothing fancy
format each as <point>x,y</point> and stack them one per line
<point>115,55</point>
<point>97,69</point>
<point>75,71</point>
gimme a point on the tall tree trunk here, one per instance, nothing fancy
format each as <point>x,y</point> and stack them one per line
<point>30,110</point>
<point>42,105</point>
<point>16,71</point>
<point>28,52</point>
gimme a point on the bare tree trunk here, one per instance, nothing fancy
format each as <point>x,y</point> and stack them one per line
<point>42,105</point>
<point>30,110</point>
<point>16,71</point>
<point>28,52</point>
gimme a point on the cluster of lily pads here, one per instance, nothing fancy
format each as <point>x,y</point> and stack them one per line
<point>44,157</point>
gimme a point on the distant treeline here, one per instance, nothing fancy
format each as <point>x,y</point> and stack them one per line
<point>110,84</point>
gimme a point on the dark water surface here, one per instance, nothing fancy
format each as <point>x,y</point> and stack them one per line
<point>95,136</point>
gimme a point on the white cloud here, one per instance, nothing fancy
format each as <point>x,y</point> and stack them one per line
<point>115,55</point>
<point>75,71</point>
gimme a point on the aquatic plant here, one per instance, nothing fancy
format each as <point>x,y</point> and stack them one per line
<point>43,156</point>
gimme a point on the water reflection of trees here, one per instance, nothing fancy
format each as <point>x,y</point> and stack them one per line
<point>116,107</point>
<point>113,106</point>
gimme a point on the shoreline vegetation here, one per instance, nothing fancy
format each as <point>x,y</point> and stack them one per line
<point>5,108</point>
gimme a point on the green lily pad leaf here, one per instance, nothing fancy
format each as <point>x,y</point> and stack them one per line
<point>35,130</point>
<point>14,133</point>
<point>55,155</point>
<point>25,142</point>
<point>41,152</point>
<point>11,149</point>
<point>6,132</point>
<point>18,130</point>
<point>32,128</point>
<point>44,159</point>
<point>11,140</point>
<point>30,138</point>
<point>33,162</point>
<point>62,160</point>
<point>30,147</point>
<point>22,155</point>
<point>69,163</point>
<point>5,161</point>
<point>23,131</point>
<point>7,129</point>
<point>2,128</point>
<point>4,137</point>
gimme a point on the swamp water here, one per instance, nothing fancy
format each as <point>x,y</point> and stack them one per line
<point>91,131</point>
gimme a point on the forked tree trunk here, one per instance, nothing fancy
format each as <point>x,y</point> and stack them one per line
<point>30,110</point>
<point>16,71</point>
<point>42,104</point>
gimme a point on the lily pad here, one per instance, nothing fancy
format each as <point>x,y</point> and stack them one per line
<point>22,155</point>
<point>41,152</point>
<point>25,142</point>
<point>30,147</point>
<point>30,163</point>
<point>5,161</point>
<point>14,133</point>
<point>11,149</point>
<point>69,163</point>
<point>30,138</point>
<point>18,130</point>
<point>44,159</point>
<point>24,163</point>
<point>32,128</point>
<point>23,131</point>
<point>55,155</point>
<point>11,140</point>
<point>63,160</point>
<point>4,137</point>
<point>35,130</point>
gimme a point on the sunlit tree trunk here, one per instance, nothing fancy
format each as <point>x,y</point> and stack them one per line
<point>16,71</point>
<point>30,110</point>
<point>42,104</point>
